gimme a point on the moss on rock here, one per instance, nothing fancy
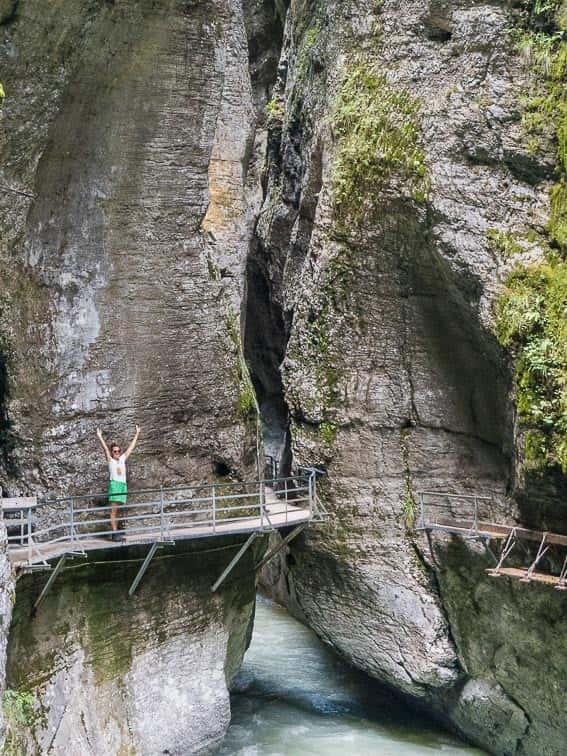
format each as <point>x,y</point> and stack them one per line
<point>531,312</point>
<point>532,320</point>
<point>377,126</point>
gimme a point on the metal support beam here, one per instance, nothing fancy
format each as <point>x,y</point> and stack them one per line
<point>234,561</point>
<point>562,584</point>
<point>320,511</point>
<point>508,546</point>
<point>540,553</point>
<point>143,568</point>
<point>266,515</point>
<point>284,542</point>
<point>57,569</point>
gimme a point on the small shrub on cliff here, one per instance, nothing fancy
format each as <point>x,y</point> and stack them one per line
<point>18,713</point>
<point>328,432</point>
<point>531,312</point>
<point>503,242</point>
<point>542,43</point>
<point>377,128</point>
<point>305,55</point>
<point>275,111</point>
<point>532,321</point>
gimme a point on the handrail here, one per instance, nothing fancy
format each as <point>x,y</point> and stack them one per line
<point>51,501</point>
<point>452,505</point>
<point>254,504</point>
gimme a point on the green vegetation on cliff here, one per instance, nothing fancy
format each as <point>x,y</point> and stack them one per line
<point>532,310</point>
<point>377,126</point>
<point>18,714</point>
<point>532,320</point>
<point>542,43</point>
<point>247,403</point>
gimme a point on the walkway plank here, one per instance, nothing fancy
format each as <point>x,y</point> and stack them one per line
<point>491,530</point>
<point>518,573</point>
<point>276,510</point>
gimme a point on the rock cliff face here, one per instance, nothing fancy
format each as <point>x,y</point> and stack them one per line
<point>129,162</point>
<point>382,280</point>
<point>128,201</point>
<point>147,674</point>
<point>7,588</point>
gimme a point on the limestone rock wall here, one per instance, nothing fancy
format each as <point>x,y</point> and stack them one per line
<point>392,377</point>
<point>7,589</point>
<point>130,154</point>
<point>129,192</point>
<point>147,674</point>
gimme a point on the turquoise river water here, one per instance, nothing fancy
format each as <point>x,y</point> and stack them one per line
<point>294,697</point>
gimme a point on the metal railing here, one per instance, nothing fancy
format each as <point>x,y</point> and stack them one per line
<point>271,467</point>
<point>448,511</point>
<point>164,514</point>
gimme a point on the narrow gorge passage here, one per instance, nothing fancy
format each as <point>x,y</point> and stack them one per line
<point>345,222</point>
<point>295,697</point>
<point>265,341</point>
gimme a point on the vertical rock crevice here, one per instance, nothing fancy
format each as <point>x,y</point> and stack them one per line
<point>265,327</point>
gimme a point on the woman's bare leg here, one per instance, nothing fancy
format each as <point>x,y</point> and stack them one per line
<point>114,516</point>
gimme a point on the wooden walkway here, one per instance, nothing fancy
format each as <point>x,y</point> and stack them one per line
<point>460,515</point>
<point>275,518</point>
<point>493,531</point>
<point>43,535</point>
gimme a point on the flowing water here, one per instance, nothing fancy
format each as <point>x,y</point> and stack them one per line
<point>294,697</point>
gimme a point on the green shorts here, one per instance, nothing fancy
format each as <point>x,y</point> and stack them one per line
<point>117,491</point>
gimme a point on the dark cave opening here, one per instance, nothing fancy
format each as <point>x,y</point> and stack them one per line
<point>221,469</point>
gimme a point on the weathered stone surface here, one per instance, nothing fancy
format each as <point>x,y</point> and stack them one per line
<point>129,149</point>
<point>147,674</point>
<point>129,164</point>
<point>392,378</point>
<point>126,143</point>
<point>509,638</point>
<point>7,588</point>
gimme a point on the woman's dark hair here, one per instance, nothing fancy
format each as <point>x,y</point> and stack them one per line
<point>113,445</point>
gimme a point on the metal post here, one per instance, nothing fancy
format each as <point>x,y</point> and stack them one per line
<point>214,495</point>
<point>50,582</point>
<point>72,521</point>
<point>542,550</point>
<point>562,584</point>
<point>234,561</point>
<point>262,501</point>
<point>143,568</point>
<point>508,546</point>
<point>475,520</point>
<point>160,515</point>
<point>29,535</point>
<point>284,542</point>
<point>313,492</point>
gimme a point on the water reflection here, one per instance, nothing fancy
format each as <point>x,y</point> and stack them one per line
<point>294,697</point>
